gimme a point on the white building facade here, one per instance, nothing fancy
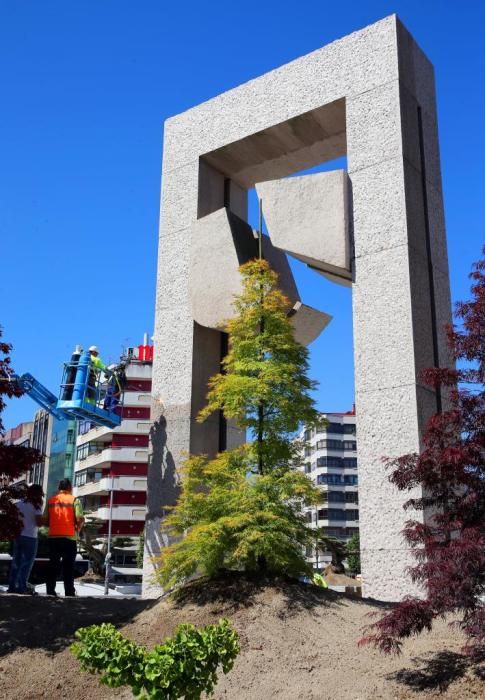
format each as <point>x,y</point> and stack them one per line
<point>117,458</point>
<point>330,461</point>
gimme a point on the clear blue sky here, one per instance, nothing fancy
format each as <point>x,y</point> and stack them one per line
<point>86,87</point>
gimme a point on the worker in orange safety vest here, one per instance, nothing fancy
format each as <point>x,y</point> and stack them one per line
<point>65,519</point>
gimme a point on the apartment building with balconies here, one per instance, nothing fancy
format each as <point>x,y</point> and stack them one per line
<point>41,438</point>
<point>20,435</point>
<point>55,440</point>
<point>330,461</point>
<point>116,459</point>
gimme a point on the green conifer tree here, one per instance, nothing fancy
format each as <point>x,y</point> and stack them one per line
<point>264,386</point>
<point>242,509</point>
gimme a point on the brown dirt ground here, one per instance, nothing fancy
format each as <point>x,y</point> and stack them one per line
<point>298,642</point>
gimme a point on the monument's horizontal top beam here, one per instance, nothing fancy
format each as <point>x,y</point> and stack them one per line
<point>341,70</point>
<point>285,148</point>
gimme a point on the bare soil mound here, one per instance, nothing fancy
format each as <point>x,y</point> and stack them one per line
<point>297,642</point>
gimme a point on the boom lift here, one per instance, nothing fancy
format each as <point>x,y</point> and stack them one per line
<point>86,393</point>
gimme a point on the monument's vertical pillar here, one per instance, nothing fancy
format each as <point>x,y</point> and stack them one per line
<point>186,354</point>
<point>172,367</point>
<point>400,296</point>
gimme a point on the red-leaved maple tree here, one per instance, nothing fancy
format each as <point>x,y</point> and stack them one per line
<point>15,460</point>
<point>450,546</point>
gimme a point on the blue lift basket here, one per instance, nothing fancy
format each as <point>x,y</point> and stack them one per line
<point>87,393</point>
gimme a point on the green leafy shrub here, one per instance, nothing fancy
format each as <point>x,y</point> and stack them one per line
<point>353,554</point>
<point>185,666</point>
<point>233,520</point>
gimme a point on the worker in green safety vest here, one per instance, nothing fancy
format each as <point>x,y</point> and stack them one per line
<point>97,366</point>
<point>318,580</point>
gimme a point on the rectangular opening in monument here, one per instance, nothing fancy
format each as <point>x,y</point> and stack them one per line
<point>310,143</point>
<point>301,142</point>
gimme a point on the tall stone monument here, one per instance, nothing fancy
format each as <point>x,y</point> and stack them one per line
<point>378,227</point>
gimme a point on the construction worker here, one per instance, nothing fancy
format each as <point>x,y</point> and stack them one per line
<point>114,387</point>
<point>318,580</point>
<point>25,545</point>
<point>65,519</point>
<point>97,366</point>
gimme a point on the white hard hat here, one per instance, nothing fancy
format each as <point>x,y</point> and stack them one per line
<point>93,348</point>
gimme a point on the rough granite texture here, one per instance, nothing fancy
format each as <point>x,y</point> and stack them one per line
<point>307,216</point>
<point>370,95</point>
<point>220,243</point>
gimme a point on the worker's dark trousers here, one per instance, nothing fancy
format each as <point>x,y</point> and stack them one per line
<point>61,550</point>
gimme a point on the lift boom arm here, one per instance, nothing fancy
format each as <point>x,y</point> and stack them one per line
<point>40,394</point>
<point>85,396</point>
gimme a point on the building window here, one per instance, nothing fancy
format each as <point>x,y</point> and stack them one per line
<point>330,445</point>
<point>334,514</point>
<point>331,514</point>
<point>349,429</point>
<point>350,462</point>
<point>336,497</point>
<point>335,428</point>
<point>349,531</point>
<point>350,479</point>
<point>90,448</point>
<point>336,531</point>
<point>70,436</point>
<point>330,462</point>
<point>87,476</point>
<point>351,497</point>
<point>307,435</point>
<point>84,426</point>
<point>308,451</point>
<point>308,468</point>
<point>350,445</point>
<point>329,479</point>
<point>352,515</point>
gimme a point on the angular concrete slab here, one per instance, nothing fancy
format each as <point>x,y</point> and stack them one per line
<point>308,217</point>
<point>220,243</point>
<point>308,323</point>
